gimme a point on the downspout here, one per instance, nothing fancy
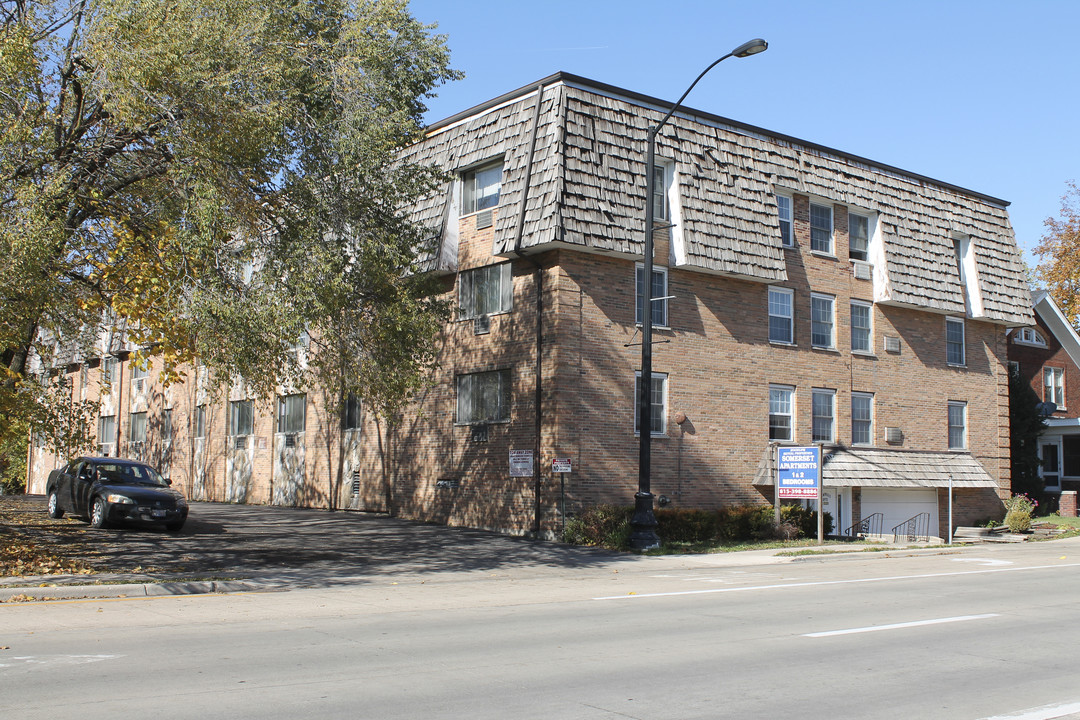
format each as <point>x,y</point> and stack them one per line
<point>539,283</point>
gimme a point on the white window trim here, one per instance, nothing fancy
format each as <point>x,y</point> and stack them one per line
<point>851,320</point>
<point>831,252</point>
<point>869,233</point>
<point>831,394</point>
<point>663,379</point>
<point>790,389</point>
<point>1037,339</point>
<point>639,269</point>
<point>870,397</point>
<point>963,342</point>
<point>790,219</point>
<point>790,318</point>
<point>948,419</point>
<point>832,324</point>
<point>1055,373</point>
<point>470,172</point>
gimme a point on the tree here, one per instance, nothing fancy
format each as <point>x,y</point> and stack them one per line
<point>1059,251</point>
<point>215,177</point>
<point>1026,423</point>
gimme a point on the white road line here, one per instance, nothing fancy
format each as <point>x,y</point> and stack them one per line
<point>897,626</point>
<point>1045,712</point>
<point>780,586</point>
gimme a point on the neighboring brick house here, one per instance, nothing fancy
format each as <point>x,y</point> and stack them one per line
<point>807,295</point>
<point>1047,356</point>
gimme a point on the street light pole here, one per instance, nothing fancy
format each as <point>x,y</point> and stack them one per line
<point>643,522</point>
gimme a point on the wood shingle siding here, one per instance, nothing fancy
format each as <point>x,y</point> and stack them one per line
<point>588,191</point>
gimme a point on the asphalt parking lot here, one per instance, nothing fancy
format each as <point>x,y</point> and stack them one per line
<point>306,547</point>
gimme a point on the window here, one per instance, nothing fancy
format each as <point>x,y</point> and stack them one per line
<point>661,208</point>
<point>108,370</point>
<point>292,410</point>
<point>862,419</point>
<point>138,427</point>
<point>822,321</point>
<point>861,331</point>
<point>781,412</point>
<point>783,213</point>
<point>350,413</point>
<point>139,371</point>
<point>481,188</point>
<point>781,315</point>
<point>657,405</point>
<point>241,417</point>
<point>1054,386</point>
<point>1070,455</point>
<point>824,415</point>
<point>1030,336</point>
<point>200,421</point>
<point>166,428</point>
<point>954,341</point>
<point>483,397</point>
<point>858,236</point>
<point>957,425</point>
<point>658,290</point>
<point>1014,369</point>
<point>485,291</point>
<point>106,434</point>
<point>821,228</point>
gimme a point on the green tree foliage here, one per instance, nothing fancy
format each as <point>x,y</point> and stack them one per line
<point>1025,426</point>
<point>1059,253</point>
<point>218,177</point>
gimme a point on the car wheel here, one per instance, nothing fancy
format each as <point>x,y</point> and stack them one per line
<point>97,513</point>
<point>55,511</point>
<point>174,526</point>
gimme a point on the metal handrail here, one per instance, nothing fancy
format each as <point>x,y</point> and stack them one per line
<point>915,528</point>
<point>869,525</point>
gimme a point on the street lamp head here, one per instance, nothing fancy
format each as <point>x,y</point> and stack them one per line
<point>752,47</point>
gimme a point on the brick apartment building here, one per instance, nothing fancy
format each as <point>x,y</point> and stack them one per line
<point>1046,355</point>
<point>808,295</point>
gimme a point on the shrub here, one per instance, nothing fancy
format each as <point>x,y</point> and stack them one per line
<point>1018,512</point>
<point>603,525</point>
<point>687,526</point>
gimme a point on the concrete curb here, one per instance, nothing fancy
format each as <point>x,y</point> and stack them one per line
<point>128,590</point>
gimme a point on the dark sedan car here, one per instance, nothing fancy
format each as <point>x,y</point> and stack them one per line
<point>110,490</point>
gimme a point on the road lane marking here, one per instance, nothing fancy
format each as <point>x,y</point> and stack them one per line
<point>898,626</point>
<point>983,561</point>
<point>53,660</point>
<point>1044,712</point>
<point>817,583</point>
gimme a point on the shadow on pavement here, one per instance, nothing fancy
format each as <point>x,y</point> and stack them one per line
<point>299,545</point>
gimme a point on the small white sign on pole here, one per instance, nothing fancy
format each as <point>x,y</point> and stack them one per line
<point>561,465</point>
<point>521,463</point>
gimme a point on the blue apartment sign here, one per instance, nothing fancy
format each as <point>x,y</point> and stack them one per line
<point>798,472</point>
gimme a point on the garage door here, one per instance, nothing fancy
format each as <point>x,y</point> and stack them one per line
<point>900,505</point>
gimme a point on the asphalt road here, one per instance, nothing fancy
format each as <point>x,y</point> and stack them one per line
<point>977,633</point>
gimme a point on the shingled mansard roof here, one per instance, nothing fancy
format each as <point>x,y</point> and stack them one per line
<point>586,190</point>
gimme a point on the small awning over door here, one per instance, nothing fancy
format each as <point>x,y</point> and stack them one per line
<point>889,468</point>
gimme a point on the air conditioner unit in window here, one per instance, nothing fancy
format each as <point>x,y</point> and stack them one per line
<point>483,219</point>
<point>482,325</point>
<point>892,344</point>
<point>894,435</point>
<point>290,440</point>
<point>355,482</point>
<point>480,433</point>
<point>138,386</point>
<point>862,270</point>
<point>241,442</point>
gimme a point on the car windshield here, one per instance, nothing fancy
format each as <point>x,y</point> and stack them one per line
<point>130,474</point>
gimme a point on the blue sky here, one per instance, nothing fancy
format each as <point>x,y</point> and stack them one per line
<point>983,95</point>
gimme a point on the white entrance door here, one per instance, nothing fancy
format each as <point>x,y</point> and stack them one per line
<point>837,502</point>
<point>900,505</point>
